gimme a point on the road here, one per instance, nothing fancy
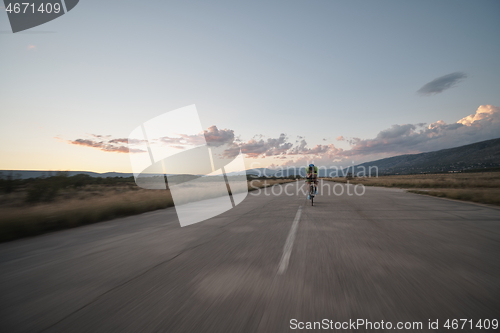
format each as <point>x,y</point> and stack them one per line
<point>386,255</point>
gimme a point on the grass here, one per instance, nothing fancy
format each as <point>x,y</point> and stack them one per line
<point>485,196</point>
<point>449,180</point>
<point>481,187</point>
<point>73,207</point>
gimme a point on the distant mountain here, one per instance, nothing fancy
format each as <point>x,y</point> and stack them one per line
<point>26,174</point>
<point>480,155</point>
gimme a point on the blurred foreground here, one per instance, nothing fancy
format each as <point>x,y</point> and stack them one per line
<point>386,255</point>
<point>30,207</point>
<point>481,187</point>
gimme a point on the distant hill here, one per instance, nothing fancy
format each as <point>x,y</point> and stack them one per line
<point>480,155</point>
<point>26,174</point>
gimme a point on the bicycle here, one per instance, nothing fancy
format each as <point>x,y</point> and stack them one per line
<point>312,190</point>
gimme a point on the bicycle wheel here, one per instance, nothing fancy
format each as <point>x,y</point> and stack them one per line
<point>311,194</point>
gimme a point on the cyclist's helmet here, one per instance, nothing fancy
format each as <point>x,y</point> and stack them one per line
<point>311,165</point>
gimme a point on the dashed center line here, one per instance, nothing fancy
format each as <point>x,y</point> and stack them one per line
<point>287,250</point>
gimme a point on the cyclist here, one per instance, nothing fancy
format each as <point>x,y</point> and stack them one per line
<point>312,175</point>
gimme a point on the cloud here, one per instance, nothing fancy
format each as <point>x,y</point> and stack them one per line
<point>31,47</point>
<point>183,140</point>
<point>398,139</point>
<point>212,136</point>
<point>102,136</point>
<point>216,137</point>
<point>484,124</point>
<point>260,148</point>
<point>442,83</point>
<point>302,149</point>
<point>279,147</point>
<point>483,112</point>
<point>110,146</point>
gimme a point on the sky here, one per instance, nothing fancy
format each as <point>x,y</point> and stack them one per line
<point>284,82</point>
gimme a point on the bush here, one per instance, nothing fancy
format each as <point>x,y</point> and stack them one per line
<point>42,191</point>
<point>7,184</point>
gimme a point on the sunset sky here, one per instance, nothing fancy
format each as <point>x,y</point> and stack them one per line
<point>286,82</point>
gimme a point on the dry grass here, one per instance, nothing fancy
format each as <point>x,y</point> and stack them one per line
<point>482,187</point>
<point>450,180</point>
<point>31,220</point>
<point>486,195</point>
<point>76,207</point>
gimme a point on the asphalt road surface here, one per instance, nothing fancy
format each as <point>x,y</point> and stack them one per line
<point>386,255</point>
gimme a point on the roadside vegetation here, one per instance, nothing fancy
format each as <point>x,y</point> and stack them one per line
<point>486,196</point>
<point>481,187</point>
<point>34,206</point>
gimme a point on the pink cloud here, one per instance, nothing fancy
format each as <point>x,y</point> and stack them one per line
<point>483,112</point>
<point>483,124</point>
<point>110,146</point>
<point>398,139</point>
<point>212,136</point>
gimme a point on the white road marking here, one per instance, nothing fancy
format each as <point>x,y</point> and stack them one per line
<point>287,250</point>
